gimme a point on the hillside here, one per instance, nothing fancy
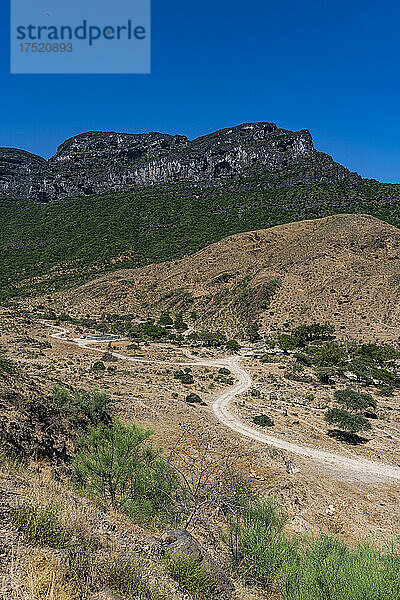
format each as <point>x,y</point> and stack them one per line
<point>343,269</point>
<point>46,247</point>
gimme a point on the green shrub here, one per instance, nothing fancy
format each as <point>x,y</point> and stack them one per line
<point>184,377</point>
<point>191,575</point>
<point>263,421</point>
<point>232,345</point>
<point>346,421</point>
<point>98,366</point>
<point>255,393</point>
<point>165,319</point>
<point>119,466</point>
<point>124,576</point>
<point>40,524</point>
<point>303,358</point>
<point>354,401</point>
<point>194,399</point>
<point>94,404</point>
<point>7,367</point>
<point>224,371</point>
<point>327,568</point>
<point>258,546</point>
<point>351,420</point>
<point>330,355</point>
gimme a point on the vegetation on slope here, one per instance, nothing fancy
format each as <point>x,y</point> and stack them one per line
<point>68,241</point>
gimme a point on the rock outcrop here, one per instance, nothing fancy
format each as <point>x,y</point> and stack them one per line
<point>101,162</point>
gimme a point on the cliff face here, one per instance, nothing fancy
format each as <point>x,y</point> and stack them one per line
<point>98,162</point>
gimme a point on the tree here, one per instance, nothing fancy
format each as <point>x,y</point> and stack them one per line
<point>380,353</point>
<point>252,332</point>
<point>119,466</point>
<point>305,334</point>
<point>350,419</point>
<point>180,324</point>
<point>232,346</point>
<point>354,401</point>
<point>287,342</point>
<point>346,421</point>
<point>330,355</point>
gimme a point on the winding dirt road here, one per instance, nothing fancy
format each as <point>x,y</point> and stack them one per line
<point>355,469</point>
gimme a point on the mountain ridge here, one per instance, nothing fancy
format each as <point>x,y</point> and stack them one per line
<point>97,162</point>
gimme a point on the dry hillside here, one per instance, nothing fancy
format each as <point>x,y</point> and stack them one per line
<point>343,269</point>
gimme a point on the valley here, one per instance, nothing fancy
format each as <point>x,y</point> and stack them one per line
<point>199,370</point>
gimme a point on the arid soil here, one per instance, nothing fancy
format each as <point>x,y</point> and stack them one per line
<point>149,394</point>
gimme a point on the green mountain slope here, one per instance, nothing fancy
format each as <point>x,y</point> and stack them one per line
<point>51,246</point>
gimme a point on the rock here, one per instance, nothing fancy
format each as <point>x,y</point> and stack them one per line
<point>97,162</point>
<point>291,467</point>
<point>181,542</point>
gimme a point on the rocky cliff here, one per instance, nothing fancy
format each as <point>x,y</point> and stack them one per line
<point>100,162</point>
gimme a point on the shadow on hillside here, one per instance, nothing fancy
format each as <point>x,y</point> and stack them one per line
<point>346,437</point>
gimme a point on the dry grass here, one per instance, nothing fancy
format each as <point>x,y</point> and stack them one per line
<point>37,575</point>
<point>99,545</point>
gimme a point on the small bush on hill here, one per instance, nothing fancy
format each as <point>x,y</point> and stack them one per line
<point>40,524</point>
<point>124,576</point>
<point>94,404</point>
<point>350,419</point>
<point>99,366</point>
<point>184,377</point>
<point>191,575</point>
<point>194,399</point>
<point>257,544</point>
<point>263,421</point>
<point>327,568</point>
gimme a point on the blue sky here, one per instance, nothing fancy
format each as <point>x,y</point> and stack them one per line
<point>331,67</point>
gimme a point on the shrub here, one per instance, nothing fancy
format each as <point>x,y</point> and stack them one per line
<point>263,421</point>
<point>354,401</point>
<point>165,319</point>
<point>224,371</point>
<point>40,524</point>
<point>184,377</point>
<point>258,546</point>
<point>232,345</point>
<point>179,324</point>
<point>303,358</point>
<point>124,575</point>
<point>330,355</point>
<point>191,575</point>
<point>305,334</point>
<point>7,367</point>
<point>380,353</point>
<point>349,422</point>
<point>327,568</point>
<point>94,404</point>
<point>194,399</point>
<point>98,366</point>
<point>119,466</point>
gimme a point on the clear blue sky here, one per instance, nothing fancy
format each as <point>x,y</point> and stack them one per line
<point>332,67</point>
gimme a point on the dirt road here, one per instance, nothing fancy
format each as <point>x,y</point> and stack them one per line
<point>354,469</point>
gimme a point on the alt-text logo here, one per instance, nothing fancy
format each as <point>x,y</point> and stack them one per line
<point>89,36</point>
